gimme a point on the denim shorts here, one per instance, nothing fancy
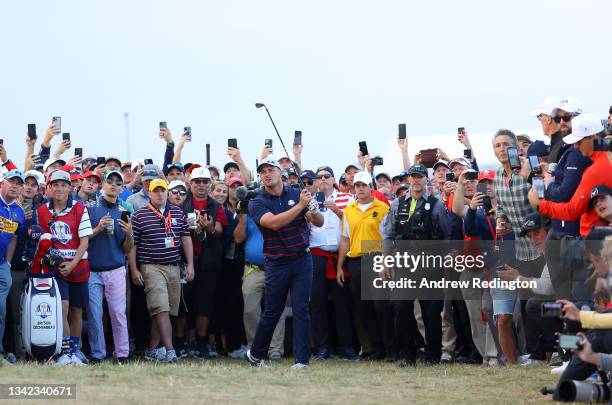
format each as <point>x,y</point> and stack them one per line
<point>504,301</point>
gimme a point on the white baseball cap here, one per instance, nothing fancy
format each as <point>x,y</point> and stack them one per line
<point>176,183</point>
<point>38,176</point>
<point>568,104</point>
<point>546,106</point>
<point>53,160</point>
<point>583,126</point>
<point>268,161</point>
<point>362,177</point>
<point>200,173</point>
<point>136,163</point>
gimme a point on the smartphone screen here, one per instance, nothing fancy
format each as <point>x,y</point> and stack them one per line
<point>57,121</point>
<point>461,130</point>
<point>163,125</point>
<point>482,188</point>
<point>297,138</point>
<point>32,131</point>
<point>513,157</point>
<point>268,143</point>
<point>363,147</point>
<point>570,341</point>
<point>402,131</point>
<point>232,143</point>
<point>550,310</point>
<point>320,197</point>
<point>535,164</point>
<point>207,154</point>
<point>66,136</point>
<point>78,152</point>
<point>450,176</point>
<point>148,161</point>
<point>538,182</point>
<point>125,215</point>
<point>467,153</point>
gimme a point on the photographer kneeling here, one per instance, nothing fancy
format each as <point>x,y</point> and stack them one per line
<point>282,214</point>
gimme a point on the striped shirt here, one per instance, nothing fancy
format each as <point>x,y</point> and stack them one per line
<point>292,239</point>
<point>153,245</point>
<point>513,204</point>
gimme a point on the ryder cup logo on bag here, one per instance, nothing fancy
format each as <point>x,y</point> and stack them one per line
<point>43,310</point>
<point>61,232</point>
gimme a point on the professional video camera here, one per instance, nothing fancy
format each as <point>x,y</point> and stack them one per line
<point>244,194</point>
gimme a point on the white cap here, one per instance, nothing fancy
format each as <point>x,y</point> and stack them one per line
<point>568,104</point>
<point>283,156</point>
<point>268,161</point>
<point>58,175</point>
<point>38,176</point>
<point>200,173</point>
<point>362,177</point>
<point>583,126</point>
<point>176,183</point>
<point>546,106</point>
<point>136,163</point>
<point>53,160</point>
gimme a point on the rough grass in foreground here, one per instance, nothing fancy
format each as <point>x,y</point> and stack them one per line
<point>330,382</point>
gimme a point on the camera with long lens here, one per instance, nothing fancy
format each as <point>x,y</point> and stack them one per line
<point>584,391</point>
<point>244,194</point>
<point>377,161</point>
<point>52,258</point>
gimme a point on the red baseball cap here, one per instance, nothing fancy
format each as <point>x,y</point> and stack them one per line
<point>486,175</point>
<point>233,180</point>
<point>193,166</point>
<point>93,174</point>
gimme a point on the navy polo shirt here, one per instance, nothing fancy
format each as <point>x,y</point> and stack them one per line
<point>293,238</point>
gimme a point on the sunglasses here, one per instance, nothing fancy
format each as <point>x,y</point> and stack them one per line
<point>324,176</point>
<point>117,182</point>
<point>200,181</point>
<point>179,192</point>
<point>307,182</point>
<point>565,118</point>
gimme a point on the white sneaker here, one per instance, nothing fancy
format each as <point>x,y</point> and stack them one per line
<point>158,354</point>
<point>4,362</point>
<point>81,356</point>
<point>532,362</point>
<point>76,360</point>
<point>238,353</point>
<point>299,366</point>
<point>560,369</point>
<point>64,360</point>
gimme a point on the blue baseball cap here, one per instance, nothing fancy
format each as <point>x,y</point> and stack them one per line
<point>176,165</point>
<point>309,174</point>
<point>539,149</point>
<point>11,174</point>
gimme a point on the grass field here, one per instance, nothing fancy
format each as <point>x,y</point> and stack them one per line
<point>233,381</point>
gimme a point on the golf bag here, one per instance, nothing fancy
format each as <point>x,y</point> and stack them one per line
<point>41,304</point>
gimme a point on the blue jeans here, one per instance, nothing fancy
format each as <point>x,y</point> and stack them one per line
<point>293,275</point>
<point>5,286</point>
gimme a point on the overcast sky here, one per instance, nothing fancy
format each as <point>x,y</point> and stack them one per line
<point>341,71</point>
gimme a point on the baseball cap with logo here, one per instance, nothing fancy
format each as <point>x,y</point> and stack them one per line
<point>362,177</point>
<point>200,173</point>
<point>462,161</point>
<point>308,174</point>
<point>583,126</point>
<point>268,161</point>
<point>568,104</point>
<point>110,172</point>
<point>35,174</point>
<point>149,172</point>
<point>12,174</point>
<point>234,180</point>
<point>156,183</point>
<point>176,165</point>
<point>486,175</point>
<point>599,191</point>
<point>441,163</point>
<point>532,222</point>
<point>418,169</point>
<point>58,175</point>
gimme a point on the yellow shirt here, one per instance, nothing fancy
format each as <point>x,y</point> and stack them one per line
<point>364,227</point>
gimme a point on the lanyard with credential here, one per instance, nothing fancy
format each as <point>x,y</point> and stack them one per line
<point>167,221</point>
